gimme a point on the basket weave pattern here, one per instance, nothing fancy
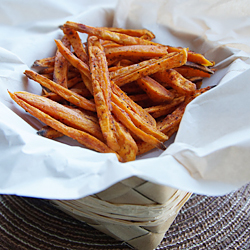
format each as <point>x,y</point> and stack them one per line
<point>135,211</point>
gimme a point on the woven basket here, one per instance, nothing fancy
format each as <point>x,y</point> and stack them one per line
<point>134,211</point>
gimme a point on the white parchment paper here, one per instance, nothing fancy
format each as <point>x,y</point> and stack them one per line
<point>209,155</point>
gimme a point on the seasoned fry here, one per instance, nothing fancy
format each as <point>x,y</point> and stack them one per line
<point>60,73</point>
<point>126,121</point>
<point>132,32</point>
<point>133,106</point>
<point>82,137</point>
<point>169,125</point>
<point>68,95</point>
<point>193,57</point>
<point>76,44</point>
<point>128,147</point>
<point>187,72</point>
<point>50,133</point>
<point>76,62</point>
<point>108,35</point>
<point>45,62</point>
<point>102,91</point>
<point>155,90</point>
<point>177,81</point>
<point>132,52</point>
<point>171,60</point>
<point>165,108</point>
<point>137,120</point>
<point>61,113</point>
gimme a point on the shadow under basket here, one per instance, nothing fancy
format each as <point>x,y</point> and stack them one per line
<point>134,211</point>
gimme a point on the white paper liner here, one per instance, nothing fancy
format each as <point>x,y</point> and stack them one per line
<point>210,154</point>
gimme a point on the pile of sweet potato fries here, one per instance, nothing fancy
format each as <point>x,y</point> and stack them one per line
<point>118,92</point>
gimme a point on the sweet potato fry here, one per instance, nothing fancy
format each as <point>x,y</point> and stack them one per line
<point>105,34</point>
<point>187,72</point>
<point>155,90</point>
<point>132,52</point>
<point>126,121</point>
<point>76,44</point>
<point>165,108</point>
<point>193,56</point>
<point>60,90</point>
<point>50,133</point>
<point>45,62</point>
<point>102,91</point>
<point>144,147</point>
<point>128,147</point>
<point>171,60</point>
<point>82,137</point>
<point>133,106</point>
<point>76,62</point>
<point>61,113</point>
<point>170,124</point>
<point>132,32</point>
<point>60,73</point>
<point>137,120</point>
<point>177,81</point>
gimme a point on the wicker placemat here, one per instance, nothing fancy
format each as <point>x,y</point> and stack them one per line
<point>203,223</point>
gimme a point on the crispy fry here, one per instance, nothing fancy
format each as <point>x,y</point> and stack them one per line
<point>76,62</point>
<point>177,81</point>
<point>169,125</point>
<point>126,121</point>
<point>171,60</point>
<point>61,113</point>
<point>128,147</point>
<point>60,90</point>
<point>50,133</point>
<point>155,90</point>
<point>165,108</point>
<point>132,32</point>
<point>60,73</point>
<point>134,52</point>
<point>133,106</point>
<point>137,120</point>
<point>108,35</point>
<point>82,137</point>
<point>187,71</point>
<point>45,62</point>
<point>102,91</point>
<point>76,44</point>
<point>193,57</point>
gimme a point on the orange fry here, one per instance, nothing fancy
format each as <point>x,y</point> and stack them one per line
<point>177,81</point>
<point>132,32</point>
<point>45,62</point>
<point>105,34</point>
<point>126,121</point>
<point>60,73</point>
<point>134,52</point>
<point>137,120</point>
<point>165,108</point>
<point>171,60</point>
<point>82,137</point>
<point>128,147</point>
<point>76,44</point>
<point>133,106</point>
<point>48,132</point>
<point>102,91</point>
<point>61,113</point>
<point>68,95</point>
<point>155,90</point>
<point>76,62</point>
